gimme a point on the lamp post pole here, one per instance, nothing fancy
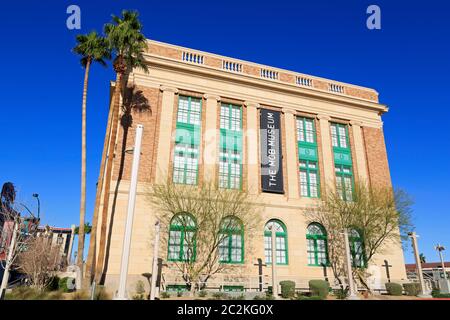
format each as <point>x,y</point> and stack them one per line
<point>351,286</point>
<point>440,248</point>
<point>35,195</point>
<point>121,292</point>
<point>155,262</point>
<point>413,237</point>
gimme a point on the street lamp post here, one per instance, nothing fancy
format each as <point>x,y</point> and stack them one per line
<point>443,284</point>
<point>121,292</point>
<point>413,237</point>
<point>35,195</point>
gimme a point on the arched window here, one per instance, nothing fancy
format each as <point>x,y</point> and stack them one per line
<point>231,246</point>
<point>356,248</point>
<point>280,241</point>
<point>316,239</point>
<point>182,239</point>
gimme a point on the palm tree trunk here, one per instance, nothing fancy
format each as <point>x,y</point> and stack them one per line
<point>108,177</point>
<point>83,170</point>
<point>91,261</point>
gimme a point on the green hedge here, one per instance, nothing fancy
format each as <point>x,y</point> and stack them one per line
<point>412,289</point>
<point>319,288</point>
<point>394,289</point>
<point>287,289</point>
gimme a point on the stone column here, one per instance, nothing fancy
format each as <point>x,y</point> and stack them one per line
<point>253,158</point>
<point>359,151</point>
<point>327,151</point>
<point>210,139</point>
<point>165,133</point>
<point>291,154</point>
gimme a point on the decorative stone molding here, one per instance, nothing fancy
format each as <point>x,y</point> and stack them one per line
<point>323,117</point>
<point>289,111</point>
<point>252,104</point>
<point>168,89</point>
<point>212,97</point>
<point>356,123</point>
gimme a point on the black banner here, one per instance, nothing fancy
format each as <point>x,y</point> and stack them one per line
<point>271,158</point>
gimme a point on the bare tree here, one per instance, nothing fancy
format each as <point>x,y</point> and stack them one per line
<point>204,218</point>
<point>15,231</point>
<point>380,215</point>
<point>39,260</point>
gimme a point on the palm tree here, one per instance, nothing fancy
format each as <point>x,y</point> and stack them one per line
<point>91,48</point>
<point>422,258</point>
<point>128,44</point>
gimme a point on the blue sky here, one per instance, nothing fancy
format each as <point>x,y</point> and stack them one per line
<point>407,61</point>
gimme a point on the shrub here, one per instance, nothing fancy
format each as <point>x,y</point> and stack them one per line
<point>287,289</point>
<point>140,290</point>
<point>319,288</point>
<point>165,295</point>
<point>303,297</point>
<point>412,289</point>
<point>202,293</point>
<point>341,294</point>
<point>394,289</point>
<point>66,284</point>
<point>55,295</point>
<point>220,295</point>
<point>53,285</point>
<point>80,295</point>
<point>436,293</point>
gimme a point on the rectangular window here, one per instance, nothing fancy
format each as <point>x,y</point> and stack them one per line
<point>230,157</point>
<point>187,141</point>
<point>308,158</point>
<point>344,182</point>
<point>339,135</point>
<point>342,160</point>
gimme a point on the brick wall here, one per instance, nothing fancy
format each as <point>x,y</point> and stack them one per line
<point>143,108</point>
<point>377,161</point>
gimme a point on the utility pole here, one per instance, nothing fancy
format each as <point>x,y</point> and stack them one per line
<point>351,286</point>
<point>413,237</point>
<point>274,262</point>
<point>155,262</point>
<point>9,259</point>
<point>121,292</point>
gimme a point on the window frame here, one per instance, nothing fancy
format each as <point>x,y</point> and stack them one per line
<point>338,135</point>
<point>184,230</point>
<point>315,238</point>
<point>230,231</point>
<point>227,154</point>
<point>192,149</point>
<point>308,153</point>
<point>352,241</point>
<point>283,234</point>
<point>309,170</point>
<point>341,175</point>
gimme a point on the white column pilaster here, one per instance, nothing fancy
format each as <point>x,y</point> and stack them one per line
<point>165,134</point>
<point>252,147</point>
<point>210,138</point>
<point>291,154</point>
<point>327,151</point>
<point>359,151</point>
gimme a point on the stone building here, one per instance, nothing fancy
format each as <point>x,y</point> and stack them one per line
<point>330,134</point>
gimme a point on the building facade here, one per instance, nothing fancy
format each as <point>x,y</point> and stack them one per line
<point>283,136</point>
